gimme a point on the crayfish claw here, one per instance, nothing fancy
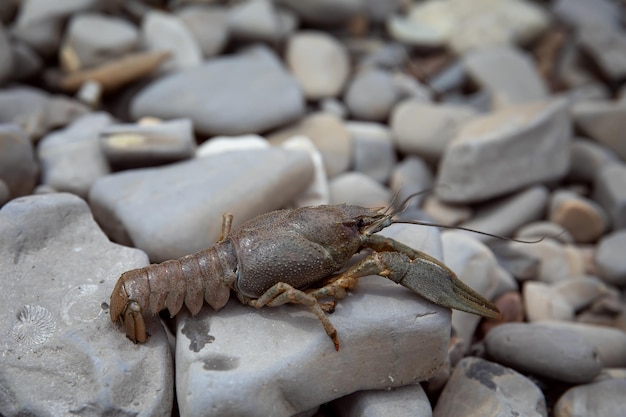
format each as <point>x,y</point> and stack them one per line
<point>134,323</point>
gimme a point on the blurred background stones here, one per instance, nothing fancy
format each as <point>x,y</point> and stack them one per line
<point>156,116</point>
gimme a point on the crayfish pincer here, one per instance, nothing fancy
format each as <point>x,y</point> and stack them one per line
<point>274,258</point>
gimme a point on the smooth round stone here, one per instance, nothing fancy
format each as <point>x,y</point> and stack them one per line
<point>580,291</point>
<point>478,387</point>
<point>92,39</point>
<point>604,121</point>
<point>259,20</point>
<point>511,310</point>
<point>610,259</point>
<point>378,10</point>
<point>583,12</point>
<point>333,106</point>
<point>18,166</point>
<point>5,193</point>
<point>542,302</point>
<point>584,219</point>
<point>166,32</point>
<point>409,177</point>
<point>609,190</point>
<point>555,353</point>
<point>606,46</point>
<point>413,33</point>
<point>426,129</point>
<point>208,25</point>
<point>508,74</point>
<point>446,214</point>
<point>358,189</point>
<point>329,134</point>
<point>371,94</point>
<point>28,63</point>
<point>6,57</point>
<point>587,158</point>
<point>409,400</point>
<point>231,95</point>
<point>324,12</point>
<point>319,62</point>
<point>559,262</point>
<point>542,229</point>
<point>373,152</point>
<point>522,265</point>
<point>505,151</point>
<point>599,399</point>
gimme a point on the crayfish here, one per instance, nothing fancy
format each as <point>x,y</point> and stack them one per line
<point>272,260</point>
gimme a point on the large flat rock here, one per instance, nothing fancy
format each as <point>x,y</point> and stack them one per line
<point>60,353</point>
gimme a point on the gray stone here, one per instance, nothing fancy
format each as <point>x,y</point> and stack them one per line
<point>7,60</point>
<point>415,34</point>
<point>609,258</point>
<point>389,337</point>
<point>61,355</point>
<point>559,262</point>
<point>328,133</point>
<point>243,93</point>
<point>324,12</point>
<point>584,12</point>
<point>476,266</point>
<point>450,78</point>
<point>411,176</point>
<point>208,25</point>
<point>177,209</point>
<point>543,302</point>
<point>522,265</point>
<point>28,63</point>
<point>587,158</point>
<point>407,401</point>
<point>358,189</point>
<point>508,74</point>
<point>609,343</point>
<point>426,129</point>
<point>583,218</point>
<point>319,62</point>
<point>166,32</point>
<point>505,151</point>
<point>542,229</point>
<point>604,121</point>
<point>609,189</point>
<point>259,20</point>
<point>379,11</point>
<point>148,144</point>
<point>373,152</point>
<point>18,166</point>
<point>606,45</point>
<point>580,292</point>
<point>371,94</point>
<point>5,193</point>
<point>479,387</point>
<point>333,106</point>
<point>505,215</point>
<point>599,399</point>
<point>71,158</point>
<point>557,353</point>
<point>92,39</point>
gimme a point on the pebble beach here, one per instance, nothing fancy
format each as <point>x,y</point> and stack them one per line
<point>128,128</point>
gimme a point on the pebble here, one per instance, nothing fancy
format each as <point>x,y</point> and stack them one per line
<point>71,158</point>
<point>373,151</point>
<point>541,229</point>
<point>505,151</point>
<point>475,265</point>
<point>371,95</point>
<point>208,25</point>
<point>583,218</point>
<point>18,167</point>
<point>329,134</point>
<point>426,129</point>
<point>318,192</point>
<point>412,175</point>
<point>446,214</point>
<point>522,265</point>
<point>259,20</point>
<point>358,189</point>
<point>552,352</point>
<point>606,46</point>
<point>511,311</point>
<point>221,144</point>
<point>609,343</point>
<point>188,218</point>
<point>92,39</point>
<point>166,32</point>
<point>508,74</point>
<point>609,258</point>
<point>558,262</point>
<point>412,33</point>
<point>136,145</point>
<point>600,399</point>
<point>602,121</point>
<point>380,323</point>
<point>609,189</point>
<point>505,215</point>
<point>580,292</point>
<point>477,386</point>
<point>474,24</point>
<point>53,323</point>
<point>324,12</point>
<point>587,158</point>
<point>7,58</point>
<point>407,401</point>
<point>542,302</point>
<point>319,62</point>
<point>232,95</point>
<point>582,12</point>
